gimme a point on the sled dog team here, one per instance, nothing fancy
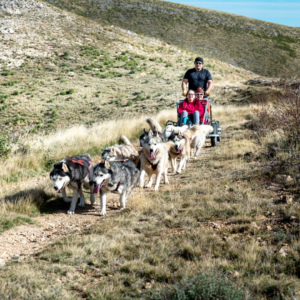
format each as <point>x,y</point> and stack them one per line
<point>122,166</point>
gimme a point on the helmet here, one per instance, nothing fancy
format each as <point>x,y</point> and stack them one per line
<point>200,91</point>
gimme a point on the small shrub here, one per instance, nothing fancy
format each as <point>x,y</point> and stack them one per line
<point>129,103</point>
<point>203,286</point>
<point>15,93</point>
<point>168,64</point>
<point>9,83</point>
<point>70,91</point>
<point>5,148</point>
<point>63,93</point>
<point>66,54</point>
<point>139,97</point>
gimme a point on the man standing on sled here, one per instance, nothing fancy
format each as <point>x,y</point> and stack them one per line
<point>197,78</point>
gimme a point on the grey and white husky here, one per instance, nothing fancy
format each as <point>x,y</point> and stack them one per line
<point>73,172</point>
<point>115,177</point>
<point>154,159</point>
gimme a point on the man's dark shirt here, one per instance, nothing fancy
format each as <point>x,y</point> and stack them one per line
<point>197,79</point>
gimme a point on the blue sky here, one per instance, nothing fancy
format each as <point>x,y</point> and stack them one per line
<point>280,12</point>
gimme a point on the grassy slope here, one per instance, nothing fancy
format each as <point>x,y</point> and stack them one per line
<point>211,217</point>
<point>115,74</point>
<point>262,47</point>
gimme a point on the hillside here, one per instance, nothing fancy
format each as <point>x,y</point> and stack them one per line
<point>58,69</point>
<point>264,48</point>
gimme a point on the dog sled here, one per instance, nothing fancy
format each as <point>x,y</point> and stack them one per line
<point>215,136</point>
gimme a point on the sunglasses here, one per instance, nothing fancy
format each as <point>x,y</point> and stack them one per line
<point>199,94</point>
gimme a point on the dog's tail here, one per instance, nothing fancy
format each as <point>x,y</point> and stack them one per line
<point>154,125</point>
<point>190,133</point>
<point>206,129</point>
<point>126,141</point>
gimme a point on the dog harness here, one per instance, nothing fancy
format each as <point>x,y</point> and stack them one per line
<point>153,166</point>
<point>79,160</point>
<point>117,186</point>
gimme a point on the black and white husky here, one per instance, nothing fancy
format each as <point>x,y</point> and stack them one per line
<point>115,177</point>
<point>73,172</point>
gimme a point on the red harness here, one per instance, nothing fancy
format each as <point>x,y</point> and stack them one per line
<point>72,159</point>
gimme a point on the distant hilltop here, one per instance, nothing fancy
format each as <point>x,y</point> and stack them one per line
<point>262,47</point>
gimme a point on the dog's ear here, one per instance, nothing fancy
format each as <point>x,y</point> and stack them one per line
<point>113,150</point>
<point>57,165</point>
<point>65,168</point>
<point>144,131</point>
<point>107,165</point>
<point>105,147</point>
<point>150,133</point>
<point>156,133</point>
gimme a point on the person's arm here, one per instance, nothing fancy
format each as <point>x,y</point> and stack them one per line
<point>184,86</point>
<point>200,108</point>
<point>209,85</point>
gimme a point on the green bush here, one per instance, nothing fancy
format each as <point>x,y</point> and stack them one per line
<point>15,93</point>
<point>9,83</point>
<point>203,286</point>
<point>5,148</point>
<point>139,97</point>
<point>63,93</point>
<point>70,91</point>
<point>129,103</point>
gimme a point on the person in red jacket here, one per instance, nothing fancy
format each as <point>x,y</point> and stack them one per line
<point>190,109</point>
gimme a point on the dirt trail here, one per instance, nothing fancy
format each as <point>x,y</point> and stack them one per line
<point>23,241</point>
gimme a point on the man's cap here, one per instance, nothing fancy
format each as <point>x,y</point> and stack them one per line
<point>199,59</point>
<point>200,91</point>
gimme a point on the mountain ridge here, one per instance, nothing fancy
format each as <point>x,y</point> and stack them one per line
<point>261,47</point>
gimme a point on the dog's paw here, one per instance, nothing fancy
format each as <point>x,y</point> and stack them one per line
<point>102,213</point>
<point>70,212</point>
<point>178,171</point>
<point>148,185</point>
<point>195,157</point>
<point>119,204</point>
<point>81,204</point>
<point>167,182</point>
<point>155,188</point>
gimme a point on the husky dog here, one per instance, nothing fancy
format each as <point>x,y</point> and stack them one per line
<point>73,172</point>
<point>198,140</point>
<point>155,127</point>
<point>121,152</point>
<point>154,159</point>
<point>176,129</point>
<point>181,147</point>
<point>115,177</point>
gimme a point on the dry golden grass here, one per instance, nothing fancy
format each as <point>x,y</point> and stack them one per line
<point>45,149</point>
